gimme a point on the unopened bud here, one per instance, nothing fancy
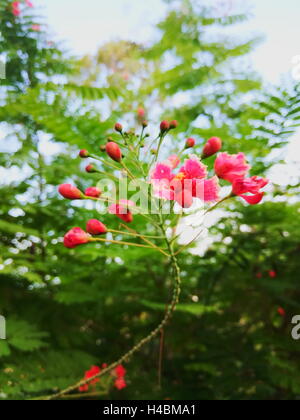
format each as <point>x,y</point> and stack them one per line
<point>95,227</point>
<point>190,142</point>
<point>173,124</point>
<point>119,127</point>
<point>113,151</point>
<point>164,126</point>
<point>212,147</point>
<point>90,169</point>
<point>84,153</point>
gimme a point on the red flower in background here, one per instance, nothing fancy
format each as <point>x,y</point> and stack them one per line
<point>272,274</point>
<point>281,312</point>
<point>94,370</point>
<point>119,372</point>
<point>120,383</point>
<point>16,8</point>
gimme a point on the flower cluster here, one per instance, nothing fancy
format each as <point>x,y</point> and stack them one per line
<point>191,181</point>
<point>16,7</point>
<point>118,376</point>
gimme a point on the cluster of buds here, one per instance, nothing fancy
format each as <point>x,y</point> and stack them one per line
<point>166,126</point>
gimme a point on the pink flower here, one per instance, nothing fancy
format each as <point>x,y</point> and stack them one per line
<point>249,185</point>
<point>29,3</point>
<point>193,168</point>
<point>186,184</point>
<point>76,237</point>
<point>95,227</point>
<point>93,192</point>
<point>231,167</point>
<point>70,192</point>
<point>207,189</point>
<point>184,197</point>
<point>162,171</point>
<point>121,210</point>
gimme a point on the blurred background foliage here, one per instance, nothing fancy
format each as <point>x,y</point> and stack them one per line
<point>66,309</point>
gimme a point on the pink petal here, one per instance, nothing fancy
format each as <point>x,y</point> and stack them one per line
<point>194,168</point>
<point>253,199</point>
<point>207,190</point>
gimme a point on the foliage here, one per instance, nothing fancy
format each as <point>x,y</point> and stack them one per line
<point>68,310</point>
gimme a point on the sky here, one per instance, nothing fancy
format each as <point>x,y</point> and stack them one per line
<point>85,25</point>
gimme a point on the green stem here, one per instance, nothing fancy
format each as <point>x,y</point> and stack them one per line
<point>144,341</point>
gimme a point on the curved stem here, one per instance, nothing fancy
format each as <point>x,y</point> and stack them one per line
<point>144,341</point>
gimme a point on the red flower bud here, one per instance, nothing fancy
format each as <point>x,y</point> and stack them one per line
<point>141,112</point>
<point>190,143</point>
<point>84,153</point>
<point>164,126</point>
<point>173,124</point>
<point>272,274</point>
<point>281,312</point>
<point>75,237</point>
<point>212,147</point>
<point>93,192</point>
<point>70,192</point>
<point>122,211</point>
<point>114,151</point>
<point>119,127</point>
<point>95,227</point>
<point>90,169</point>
